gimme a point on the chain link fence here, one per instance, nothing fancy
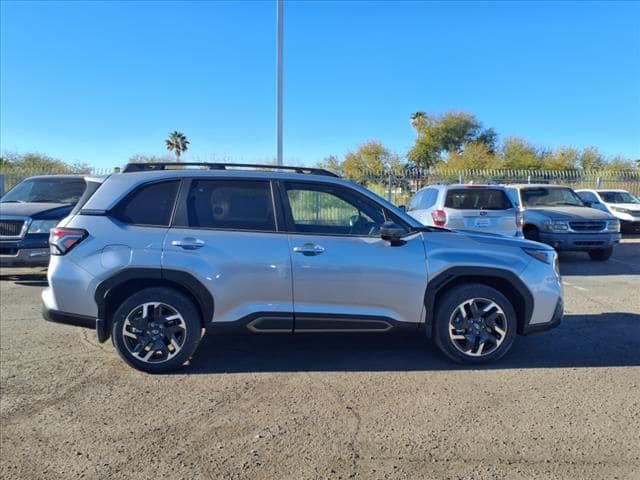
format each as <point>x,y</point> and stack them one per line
<point>399,184</point>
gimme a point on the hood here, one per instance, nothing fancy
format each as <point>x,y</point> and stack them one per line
<point>628,206</point>
<point>49,210</point>
<point>498,241</point>
<point>570,213</point>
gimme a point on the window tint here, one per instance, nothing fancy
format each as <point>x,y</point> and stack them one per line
<point>414,204</point>
<point>549,197</point>
<point>477,199</point>
<point>47,190</point>
<point>332,210</point>
<point>230,204</point>
<point>429,198</point>
<point>149,205</point>
<point>512,193</point>
<point>588,197</point>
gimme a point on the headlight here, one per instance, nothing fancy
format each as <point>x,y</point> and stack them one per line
<point>620,210</point>
<point>613,226</point>
<point>555,226</point>
<point>549,257</point>
<point>42,226</point>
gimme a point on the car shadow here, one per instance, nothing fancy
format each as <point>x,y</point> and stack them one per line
<point>625,261</point>
<point>607,340</point>
<point>26,279</point>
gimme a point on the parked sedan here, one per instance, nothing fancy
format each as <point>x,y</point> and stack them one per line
<point>619,203</point>
<point>485,208</point>
<point>27,213</point>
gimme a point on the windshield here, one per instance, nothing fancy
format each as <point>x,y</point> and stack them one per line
<point>618,197</point>
<point>46,190</point>
<point>550,197</point>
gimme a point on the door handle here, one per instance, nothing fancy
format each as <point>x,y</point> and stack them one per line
<point>188,243</point>
<point>309,249</point>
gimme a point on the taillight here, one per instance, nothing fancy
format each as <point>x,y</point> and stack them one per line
<point>518,218</point>
<point>61,240</point>
<point>439,218</point>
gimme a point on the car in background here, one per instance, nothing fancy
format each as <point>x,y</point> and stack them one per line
<point>620,203</point>
<point>485,208</point>
<point>28,211</point>
<point>557,216</point>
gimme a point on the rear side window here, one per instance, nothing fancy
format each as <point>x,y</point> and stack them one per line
<point>92,187</point>
<point>150,204</point>
<point>477,199</point>
<point>230,205</point>
<point>429,198</point>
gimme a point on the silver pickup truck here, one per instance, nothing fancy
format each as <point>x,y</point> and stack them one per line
<point>556,215</point>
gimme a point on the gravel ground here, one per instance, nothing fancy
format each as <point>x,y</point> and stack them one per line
<point>563,404</point>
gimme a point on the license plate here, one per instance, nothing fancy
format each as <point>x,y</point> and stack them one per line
<point>482,222</point>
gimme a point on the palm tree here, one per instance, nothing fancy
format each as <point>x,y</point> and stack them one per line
<point>418,120</point>
<point>177,143</point>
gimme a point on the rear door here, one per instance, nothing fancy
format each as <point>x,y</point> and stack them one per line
<point>225,232</point>
<point>480,208</point>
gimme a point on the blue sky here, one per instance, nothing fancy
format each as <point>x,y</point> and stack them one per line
<point>97,82</point>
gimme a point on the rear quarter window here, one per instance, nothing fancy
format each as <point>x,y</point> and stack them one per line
<point>150,204</point>
<point>477,199</point>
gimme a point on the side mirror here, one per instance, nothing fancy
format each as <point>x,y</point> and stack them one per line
<point>403,208</point>
<point>392,233</point>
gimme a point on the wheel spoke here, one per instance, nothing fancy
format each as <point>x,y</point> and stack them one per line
<point>474,309</point>
<point>498,330</point>
<point>477,327</point>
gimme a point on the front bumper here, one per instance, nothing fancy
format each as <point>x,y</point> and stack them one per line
<point>579,242</point>
<point>630,226</point>
<point>26,257</point>
<point>543,327</point>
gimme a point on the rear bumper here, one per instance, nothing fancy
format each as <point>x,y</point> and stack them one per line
<point>75,320</point>
<point>579,242</point>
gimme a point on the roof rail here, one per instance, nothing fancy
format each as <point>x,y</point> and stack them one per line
<point>153,166</point>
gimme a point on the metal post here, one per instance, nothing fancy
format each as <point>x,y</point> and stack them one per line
<point>1,185</point>
<point>279,80</point>
<point>389,187</point>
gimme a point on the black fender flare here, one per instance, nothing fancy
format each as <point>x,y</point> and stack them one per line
<point>159,276</point>
<point>518,290</point>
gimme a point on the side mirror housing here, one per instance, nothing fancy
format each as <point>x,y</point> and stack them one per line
<point>392,233</point>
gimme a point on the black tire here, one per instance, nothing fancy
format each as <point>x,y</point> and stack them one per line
<point>186,331</point>
<point>532,233</point>
<point>448,305</point>
<point>601,254</point>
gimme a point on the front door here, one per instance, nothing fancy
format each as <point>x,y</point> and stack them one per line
<point>345,277</point>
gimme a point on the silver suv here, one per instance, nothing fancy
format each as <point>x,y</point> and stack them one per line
<point>485,208</point>
<point>157,256</point>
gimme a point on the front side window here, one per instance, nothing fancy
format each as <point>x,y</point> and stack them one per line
<point>332,210</point>
<point>150,204</point>
<point>230,205</point>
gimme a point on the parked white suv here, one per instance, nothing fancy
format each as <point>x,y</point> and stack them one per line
<point>619,203</point>
<point>485,208</point>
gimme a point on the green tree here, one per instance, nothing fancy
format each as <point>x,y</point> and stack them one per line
<point>141,158</point>
<point>620,163</point>
<point>520,155</point>
<point>475,155</point>
<point>370,159</point>
<point>591,159</point>
<point>38,162</point>
<point>331,163</point>
<point>450,132</point>
<point>177,143</point>
<point>564,158</point>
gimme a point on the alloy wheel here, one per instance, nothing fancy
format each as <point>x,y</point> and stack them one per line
<point>477,327</point>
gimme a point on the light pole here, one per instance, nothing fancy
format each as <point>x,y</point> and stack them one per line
<point>279,80</point>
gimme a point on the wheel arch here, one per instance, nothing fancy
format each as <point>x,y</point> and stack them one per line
<point>111,292</point>
<point>505,281</point>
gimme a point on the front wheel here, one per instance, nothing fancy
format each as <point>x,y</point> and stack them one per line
<point>601,254</point>
<point>156,330</point>
<point>474,324</point>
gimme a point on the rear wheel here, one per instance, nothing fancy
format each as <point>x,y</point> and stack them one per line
<point>156,330</point>
<point>474,324</point>
<point>601,254</point>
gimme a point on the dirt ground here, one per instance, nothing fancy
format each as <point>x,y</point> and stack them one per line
<point>563,404</point>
